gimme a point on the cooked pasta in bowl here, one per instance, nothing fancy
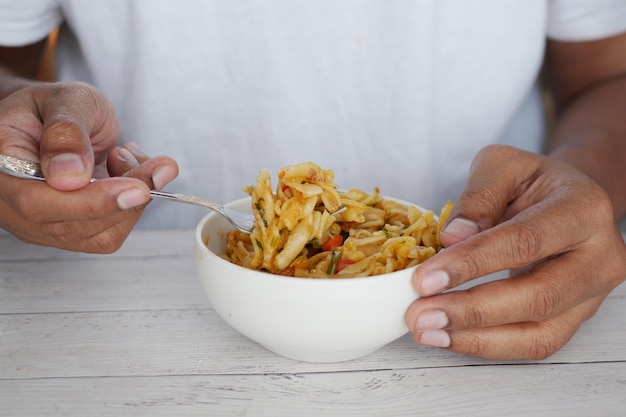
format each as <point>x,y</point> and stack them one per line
<point>325,275</point>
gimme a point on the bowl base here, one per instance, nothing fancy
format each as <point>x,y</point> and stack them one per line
<point>321,357</point>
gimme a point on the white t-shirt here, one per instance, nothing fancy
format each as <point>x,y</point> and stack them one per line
<point>395,94</point>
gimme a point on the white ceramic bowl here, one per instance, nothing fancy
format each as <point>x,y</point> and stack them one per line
<point>313,320</point>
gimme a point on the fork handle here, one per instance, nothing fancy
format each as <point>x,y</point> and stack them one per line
<point>183,198</point>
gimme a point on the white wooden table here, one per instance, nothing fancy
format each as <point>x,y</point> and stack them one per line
<point>131,334</point>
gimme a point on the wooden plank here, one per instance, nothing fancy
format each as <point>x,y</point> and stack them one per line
<point>157,343</point>
<point>125,343</point>
<point>100,284</point>
<point>597,390</point>
<point>140,243</point>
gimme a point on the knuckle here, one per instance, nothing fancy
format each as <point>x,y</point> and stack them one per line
<point>476,346</point>
<point>527,245</point>
<point>493,152</point>
<point>72,89</point>
<point>107,244</point>
<point>474,316</point>
<point>78,237</point>
<point>545,302</point>
<point>542,347</point>
<point>597,206</point>
<point>470,265</point>
<point>81,91</point>
<point>483,196</point>
<point>62,233</point>
<point>602,207</point>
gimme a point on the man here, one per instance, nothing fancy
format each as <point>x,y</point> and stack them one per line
<point>395,94</point>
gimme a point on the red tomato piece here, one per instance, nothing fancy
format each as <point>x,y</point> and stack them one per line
<point>343,262</point>
<point>334,241</point>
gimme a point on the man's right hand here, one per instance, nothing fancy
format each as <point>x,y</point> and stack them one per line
<point>71,129</point>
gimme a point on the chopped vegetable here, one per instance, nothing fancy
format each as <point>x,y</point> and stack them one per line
<point>342,263</point>
<point>332,242</point>
<point>334,261</point>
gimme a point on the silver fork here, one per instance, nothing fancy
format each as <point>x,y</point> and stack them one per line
<point>31,170</point>
<point>241,220</point>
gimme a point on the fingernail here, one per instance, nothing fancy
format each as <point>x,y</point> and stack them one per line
<point>135,149</point>
<point>461,229</point>
<point>431,320</point>
<point>126,156</point>
<point>132,197</point>
<point>66,164</point>
<point>163,175</point>
<point>434,282</point>
<point>436,338</point>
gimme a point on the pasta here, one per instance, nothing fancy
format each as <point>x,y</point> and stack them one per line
<point>296,233</point>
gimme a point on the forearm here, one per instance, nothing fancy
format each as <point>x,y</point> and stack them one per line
<point>590,133</point>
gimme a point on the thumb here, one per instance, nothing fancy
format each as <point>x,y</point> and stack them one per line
<point>499,175</point>
<point>79,128</point>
